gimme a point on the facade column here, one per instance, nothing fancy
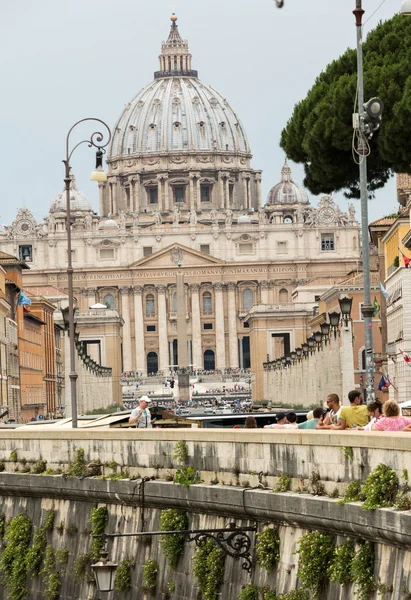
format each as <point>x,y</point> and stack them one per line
<point>264,285</point>
<point>162,329</point>
<point>191,188</point>
<point>101,190</point>
<point>197,191</point>
<point>91,296</point>
<point>219,325</point>
<point>125,313</point>
<point>114,196</point>
<point>166,193</point>
<point>197,359</point>
<point>258,188</point>
<point>135,182</point>
<point>245,190</point>
<point>221,190</point>
<point>84,293</point>
<point>232,326</point>
<point>141,364</point>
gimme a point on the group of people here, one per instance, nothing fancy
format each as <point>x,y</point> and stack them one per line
<point>375,416</point>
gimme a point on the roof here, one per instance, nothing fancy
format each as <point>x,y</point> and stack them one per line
<point>287,191</point>
<point>9,259</point>
<point>384,221</point>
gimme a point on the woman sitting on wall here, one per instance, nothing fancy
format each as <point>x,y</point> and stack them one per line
<point>391,420</point>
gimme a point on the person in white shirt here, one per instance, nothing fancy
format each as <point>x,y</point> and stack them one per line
<point>289,421</point>
<point>141,416</point>
<point>334,409</point>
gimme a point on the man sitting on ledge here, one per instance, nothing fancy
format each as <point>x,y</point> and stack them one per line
<point>288,421</point>
<point>355,415</point>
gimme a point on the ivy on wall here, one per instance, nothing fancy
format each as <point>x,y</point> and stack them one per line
<point>268,548</point>
<point>209,563</point>
<point>173,519</point>
<point>150,572</point>
<point>35,554</point>
<point>316,551</point>
<point>13,568</point>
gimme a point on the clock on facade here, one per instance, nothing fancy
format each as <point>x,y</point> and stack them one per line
<point>25,227</point>
<point>327,215</point>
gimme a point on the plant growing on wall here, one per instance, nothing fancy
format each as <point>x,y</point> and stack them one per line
<point>82,568</point>
<point>268,548</point>
<point>13,570</point>
<point>295,595</point>
<point>339,570</point>
<point>249,592</point>
<point>283,484</point>
<point>187,476</point>
<point>150,572</point>
<point>122,582</point>
<point>362,571</point>
<point>209,563</point>
<point>380,488</point>
<point>2,525</point>
<point>180,454</point>
<point>98,522</point>
<point>51,575</point>
<point>316,551</point>
<point>173,519</point>
<point>76,469</point>
<point>353,493</point>
<point>35,554</point>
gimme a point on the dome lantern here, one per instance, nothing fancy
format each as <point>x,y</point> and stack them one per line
<point>175,58</point>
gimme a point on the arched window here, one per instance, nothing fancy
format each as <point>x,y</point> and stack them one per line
<point>209,360</point>
<point>248,299</point>
<point>109,301</point>
<point>152,362</point>
<point>354,243</point>
<point>283,295</point>
<point>207,303</point>
<point>175,304</point>
<point>150,306</point>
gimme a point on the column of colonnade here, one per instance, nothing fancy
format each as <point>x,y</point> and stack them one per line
<point>232,326</point>
<point>125,313</point>
<point>197,354</point>
<point>139,329</point>
<point>162,329</point>
<point>219,325</point>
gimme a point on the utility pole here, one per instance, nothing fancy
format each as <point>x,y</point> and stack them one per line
<point>367,308</point>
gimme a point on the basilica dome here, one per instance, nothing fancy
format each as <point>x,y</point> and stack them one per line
<point>177,112</point>
<point>78,200</point>
<point>287,192</point>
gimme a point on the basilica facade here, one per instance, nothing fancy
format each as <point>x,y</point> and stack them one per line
<point>182,194</point>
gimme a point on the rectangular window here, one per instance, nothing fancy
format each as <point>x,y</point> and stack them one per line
<point>231,193</point>
<point>153,195</point>
<point>147,251</point>
<point>207,326</point>
<point>151,327</point>
<point>107,253</point>
<point>179,194</point>
<point>327,242</point>
<point>205,248</point>
<point>245,248</point>
<point>26,253</point>
<point>205,193</point>
<point>282,248</point>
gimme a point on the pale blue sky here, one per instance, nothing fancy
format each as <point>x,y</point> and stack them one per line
<point>61,61</point>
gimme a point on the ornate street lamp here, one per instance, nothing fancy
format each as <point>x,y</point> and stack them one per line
<point>283,361</point>
<point>293,356</point>
<point>299,353</point>
<point>305,348</point>
<point>105,572</point>
<point>95,140</point>
<point>318,337</point>
<point>311,344</point>
<point>345,307</point>
<point>334,321</point>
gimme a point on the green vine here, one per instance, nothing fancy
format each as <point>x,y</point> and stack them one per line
<point>269,595</point>
<point>98,522</point>
<point>39,467</point>
<point>249,592</point>
<point>283,484</point>
<point>122,582</point>
<point>362,571</point>
<point>187,476</point>
<point>173,519</point>
<point>316,551</point>
<point>295,595</point>
<point>2,526</point>
<point>51,575</point>
<point>209,563</point>
<point>82,568</point>
<point>35,555</point>
<point>150,572</point>
<point>77,468</point>
<point>353,493</point>
<point>181,452</point>
<point>348,452</point>
<point>380,488</point>
<point>13,456</point>
<point>171,587</point>
<point>13,569</point>
<point>268,548</point>
<point>339,570</point>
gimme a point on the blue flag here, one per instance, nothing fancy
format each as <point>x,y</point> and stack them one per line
<point>384,382</point>
<point>23,300</point>
<point>383,291</point>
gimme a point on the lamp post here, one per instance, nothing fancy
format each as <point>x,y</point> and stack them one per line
<point>98,174</point>
<point>367,308</point>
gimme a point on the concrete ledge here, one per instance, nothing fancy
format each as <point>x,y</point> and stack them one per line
<point>385,526</point>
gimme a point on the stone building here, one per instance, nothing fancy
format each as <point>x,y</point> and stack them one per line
<point>181,183</point>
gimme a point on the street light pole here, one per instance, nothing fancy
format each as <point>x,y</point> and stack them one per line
<point>95,140</point>
<point>367,308</point>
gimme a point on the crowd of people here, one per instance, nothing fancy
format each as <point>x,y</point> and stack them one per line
<point>375,416</point>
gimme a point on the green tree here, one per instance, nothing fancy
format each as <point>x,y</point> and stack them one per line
<point>319,133</point>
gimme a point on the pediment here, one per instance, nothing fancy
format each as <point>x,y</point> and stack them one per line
<point>166,258</point>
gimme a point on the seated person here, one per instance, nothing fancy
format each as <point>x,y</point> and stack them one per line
<point>312,423</point>
<point>355,415</point>
<point>289,421</point>
<point>391,420</point>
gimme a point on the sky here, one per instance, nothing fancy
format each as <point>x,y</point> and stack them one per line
<point>61,61</point>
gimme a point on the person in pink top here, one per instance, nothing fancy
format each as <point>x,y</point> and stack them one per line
<point>391,420</point>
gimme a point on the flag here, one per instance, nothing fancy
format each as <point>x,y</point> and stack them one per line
<point>405,356</point>
<point>383,291</point>
<point>406,260</point>
<point>377,307</point>
<point>23,300</point>
<point>384,382</point>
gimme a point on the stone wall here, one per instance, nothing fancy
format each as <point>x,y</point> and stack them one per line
<point>207,507</point>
